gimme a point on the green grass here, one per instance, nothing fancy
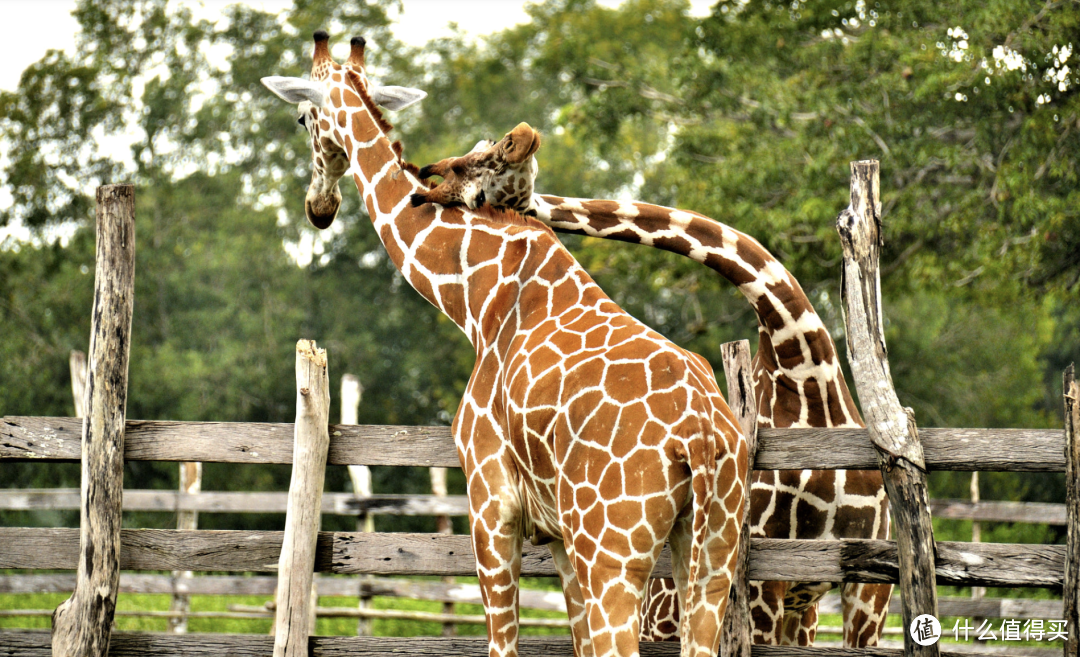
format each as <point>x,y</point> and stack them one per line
<point>324,626</point>
<point>380,627</point>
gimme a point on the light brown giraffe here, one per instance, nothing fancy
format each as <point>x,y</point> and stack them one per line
<point>580,425</point>
<point>798,382</point>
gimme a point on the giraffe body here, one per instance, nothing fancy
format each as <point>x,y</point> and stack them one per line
<point>580,426</point>
<point>798,383</point>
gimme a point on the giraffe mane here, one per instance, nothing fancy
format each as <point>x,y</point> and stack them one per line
<point>508,216</point>
<point>352,78</point>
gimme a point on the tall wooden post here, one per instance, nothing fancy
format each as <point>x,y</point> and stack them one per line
<point>736,635</point>
<point>351,394</point>
<point>1072,497</point>
<point>190,484</point>
<point>311,443</point>
<point>82,624</point>
<point>891,427</point>
<point>77,365</point>
<point>443,525</point>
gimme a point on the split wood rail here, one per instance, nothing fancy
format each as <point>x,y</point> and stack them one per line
<point>891,442</point>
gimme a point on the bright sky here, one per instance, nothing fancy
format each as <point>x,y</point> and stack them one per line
<point>30,27</point>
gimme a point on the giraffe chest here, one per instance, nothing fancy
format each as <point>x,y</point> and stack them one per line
<point>590,412</point>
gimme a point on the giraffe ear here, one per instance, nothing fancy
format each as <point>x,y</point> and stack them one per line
<point>296,90</point>
<point>395,98</point>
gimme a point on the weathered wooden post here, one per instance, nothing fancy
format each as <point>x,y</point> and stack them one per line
<point>77,364</point>
<point>82,624</point>
<point>1072,496</point>
<point>311,442</point>
<point>190,484</point>
<point>351,394</point>
<point>443,525</point>
<point>736,635</point>
<point>891,427</point>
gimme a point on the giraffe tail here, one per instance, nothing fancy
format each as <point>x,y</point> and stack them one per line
<point>714,543</point>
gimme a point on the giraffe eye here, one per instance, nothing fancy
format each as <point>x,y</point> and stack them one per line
<point>302,120</point>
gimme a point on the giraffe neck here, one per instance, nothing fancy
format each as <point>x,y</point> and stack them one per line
<point>799,381</point>
<point>465,263</point>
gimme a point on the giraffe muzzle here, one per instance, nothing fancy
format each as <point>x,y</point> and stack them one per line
<point>322,210</point>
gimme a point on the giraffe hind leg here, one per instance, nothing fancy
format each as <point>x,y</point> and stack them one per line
<point>575,601</point>
<point>801,613</point>
<point>767,611</point>
<point>865,607</point>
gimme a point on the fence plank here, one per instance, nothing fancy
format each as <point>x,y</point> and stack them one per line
<point>961,564</point>
<point>1025,512</point>
<point>892,428</point>
<point>30,644</point>
<point>264,586</point>
<point>468,593</point>
<point>57,439</point>
<point>167,501</point>
<point>82,624</point>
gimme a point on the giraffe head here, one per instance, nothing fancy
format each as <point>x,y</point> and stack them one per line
<point>322,104</point>
<point>501,173</point>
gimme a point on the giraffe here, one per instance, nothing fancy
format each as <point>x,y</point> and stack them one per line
<point>500,173</point>
<point>580,426</point>
<point>798,383</point>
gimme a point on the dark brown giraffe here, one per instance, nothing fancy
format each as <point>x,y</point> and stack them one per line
<point>580,426</point>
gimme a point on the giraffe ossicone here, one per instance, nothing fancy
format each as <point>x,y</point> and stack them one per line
<point>579,425</point>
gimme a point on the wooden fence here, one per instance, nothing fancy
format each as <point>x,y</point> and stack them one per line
<point>890,443</point>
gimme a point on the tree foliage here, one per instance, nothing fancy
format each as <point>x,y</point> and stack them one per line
<point>749,115</point>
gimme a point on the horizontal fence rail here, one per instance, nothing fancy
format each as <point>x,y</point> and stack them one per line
<point>348,504</point>
<point>853,560</point>
<point>57,439</point>
<point>33,644</point>
<point>465,593</point>
<point>344,504</point>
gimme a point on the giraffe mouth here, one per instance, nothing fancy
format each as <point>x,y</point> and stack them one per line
<point>321,211</point>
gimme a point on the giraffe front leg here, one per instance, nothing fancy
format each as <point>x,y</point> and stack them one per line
<point>495,519</point>
<point>611,583</point>
<point>575,602</point>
